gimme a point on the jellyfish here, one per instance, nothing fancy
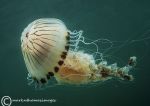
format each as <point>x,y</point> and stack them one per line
<point>51,51</point>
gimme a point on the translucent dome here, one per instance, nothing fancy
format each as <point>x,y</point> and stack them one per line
<point>44,46</point>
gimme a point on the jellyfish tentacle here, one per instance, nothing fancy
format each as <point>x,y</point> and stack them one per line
<point>113,70</point>
<point>75,37</point>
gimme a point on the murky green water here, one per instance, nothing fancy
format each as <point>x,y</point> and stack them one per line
<point>116,20</point>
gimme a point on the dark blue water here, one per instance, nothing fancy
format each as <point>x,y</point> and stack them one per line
<point>116,20</point>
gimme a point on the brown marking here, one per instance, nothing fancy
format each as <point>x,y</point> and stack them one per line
<point>40,45</point>
<point>63,55</point>
<point>60,62</point>
<point>28,47</point>
<point>68,33</point>
<point>27,34</point>
<point>42,34</point>
<point>67,37</point>
<point>56,69</point>
<point>48,39</point>
<point>37,49</point>
<point>45,43</point>
<point>48,76</point>
<point>51,73</point>
<point>67,48</point>
<point>37,56</point>
<point>68,42</point>
<point>43,80</point>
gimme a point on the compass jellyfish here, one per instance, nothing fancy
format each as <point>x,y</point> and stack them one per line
<point>52,52</point>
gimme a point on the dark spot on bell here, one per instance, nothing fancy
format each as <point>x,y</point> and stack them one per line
<point>51,73</point>
<point>43,80</point>
<point>27,34</point>
<point>63,55</point>
<point>56,69</point>
<point>67,48</point>
<point>67,37</point>
<point>68,33</point>
<point>68,42</point>
<point>48,76</point>
<point>60,62</point>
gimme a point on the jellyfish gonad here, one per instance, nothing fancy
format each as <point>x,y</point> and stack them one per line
<point>51,50</point>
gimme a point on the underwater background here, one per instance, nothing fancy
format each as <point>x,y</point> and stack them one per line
<point>127,21</point>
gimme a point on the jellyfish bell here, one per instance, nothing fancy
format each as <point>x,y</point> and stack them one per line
<point>44,47</point>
